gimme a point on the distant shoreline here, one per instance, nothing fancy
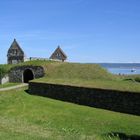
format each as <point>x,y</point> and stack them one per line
<point>120,65</point>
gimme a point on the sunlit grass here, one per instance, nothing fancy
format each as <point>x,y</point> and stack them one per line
<point>9,85</point>
<point>89,75</point>
<point>23,116</point>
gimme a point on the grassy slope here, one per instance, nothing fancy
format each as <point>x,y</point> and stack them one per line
<point>31,117</point>
<point>61,70</point>
<point>8,85</point>
<point>89,75</point>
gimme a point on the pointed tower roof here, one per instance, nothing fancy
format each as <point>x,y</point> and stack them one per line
<point>60,51</point>
<point>58,48</point>
<point>15,45</point>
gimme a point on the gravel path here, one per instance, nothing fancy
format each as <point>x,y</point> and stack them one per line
<point>14,87</point>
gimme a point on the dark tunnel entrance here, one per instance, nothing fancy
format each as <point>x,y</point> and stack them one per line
<point>27,76</point>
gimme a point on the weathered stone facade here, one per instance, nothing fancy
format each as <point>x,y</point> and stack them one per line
<point>22,74</point>
<point>115,100</point>
<point>58,55</point>
<point>15,54</point>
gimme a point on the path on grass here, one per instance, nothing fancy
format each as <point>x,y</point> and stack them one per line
<point>14,87</point>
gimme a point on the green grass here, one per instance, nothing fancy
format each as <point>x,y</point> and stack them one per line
<point>96,83</point>
<point>56,69</point>
<point>8,85</point>
<point>89,75</point>
<point>77,71</point>
<point>5,68</point>
<point>24,117</point>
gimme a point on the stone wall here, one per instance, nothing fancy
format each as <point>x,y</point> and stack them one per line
<point>16,73</point>
<point>4,80</point>
<point>126,102</point>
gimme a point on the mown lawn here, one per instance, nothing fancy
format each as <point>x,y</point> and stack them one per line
<point>28,117</point>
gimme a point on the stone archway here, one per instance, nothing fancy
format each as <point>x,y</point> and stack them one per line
<point>28,75</point>
<point>20,74</point>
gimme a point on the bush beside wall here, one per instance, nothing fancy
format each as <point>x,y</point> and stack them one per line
<point>125,102</point>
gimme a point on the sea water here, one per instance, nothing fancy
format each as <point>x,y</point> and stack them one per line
<point>122,68</point>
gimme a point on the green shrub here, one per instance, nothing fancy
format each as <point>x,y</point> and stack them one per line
<point>137,79</point>
<point>3,71</point>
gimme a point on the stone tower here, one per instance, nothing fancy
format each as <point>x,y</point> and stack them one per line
<point>15,54</point>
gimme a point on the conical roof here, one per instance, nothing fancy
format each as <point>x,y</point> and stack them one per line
<point>16,46</point>
<point>59,50</point>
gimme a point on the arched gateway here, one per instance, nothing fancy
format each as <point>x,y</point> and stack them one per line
<point>28,75</point>
<point>23,74</point>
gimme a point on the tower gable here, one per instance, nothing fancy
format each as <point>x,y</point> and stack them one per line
<point>58,54</point>
<point>15,53</point>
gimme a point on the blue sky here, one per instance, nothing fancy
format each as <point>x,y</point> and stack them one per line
<point>87,30</point>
